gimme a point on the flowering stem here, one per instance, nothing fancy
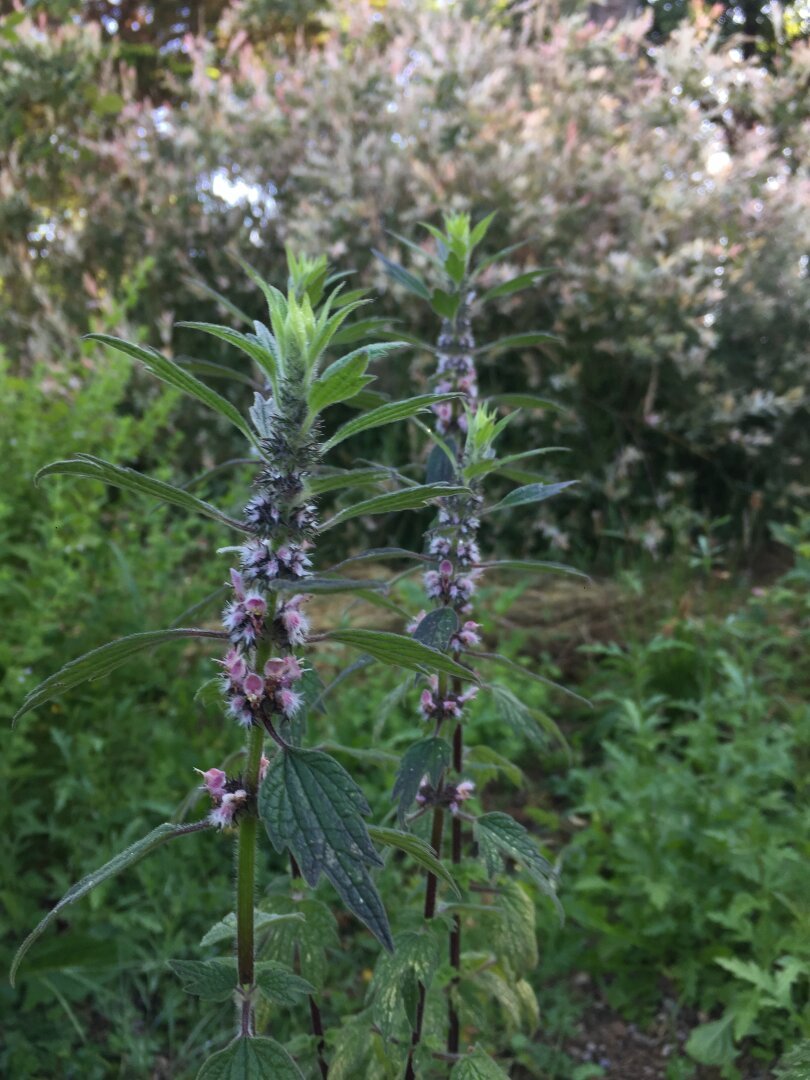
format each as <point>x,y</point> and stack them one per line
<point>245,879</point>
<point>453,1027</point>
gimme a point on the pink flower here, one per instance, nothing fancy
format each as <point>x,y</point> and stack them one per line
<point>263,766</point>
<point>213,782</point>
<point>223,815</point>
<point>235,666</point>
<point>289,701</point>
<point>427,703</point>
<point>253,686</point>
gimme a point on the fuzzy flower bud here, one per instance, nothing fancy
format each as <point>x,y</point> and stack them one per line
<point>213,782</point>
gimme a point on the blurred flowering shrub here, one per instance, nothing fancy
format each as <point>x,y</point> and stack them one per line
<point>663,185</point>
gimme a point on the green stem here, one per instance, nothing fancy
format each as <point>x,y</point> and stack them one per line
<point>246,877</point>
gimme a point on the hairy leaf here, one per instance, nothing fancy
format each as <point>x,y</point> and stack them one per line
<point>225,929</point>
<point>311,806</point>
<point>477,1066</point>
<point>345,478</point>
<point>131,855</point>
<point>428,757</point>
<point>403,277</point>
<point>303,934</point>
<point>326,585</point>
<point>93,468</point>
<point>173,374</point>
<point>390,413</point>
<point>246,343</point>
<point>414,960</point>
<point>490,465</point>
<point>441,467</point>
<point>337,383</point>
<point>212,980</point>
<point>436,628</point>
<point>419,850</point>
<point>100,662</point>
<point>498,834</point>
<point>392,501</point>
<point>280,985</point>
<point>531,493</point>
<point>251,1059</point>
<point>531,723</point>
<point>403,651</point>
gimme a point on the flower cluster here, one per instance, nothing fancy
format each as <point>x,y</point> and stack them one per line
<point>450,796</point>
<point>253,698</point>
<point>227,794</point>
<point>455,369</point>
<point>451,588</point>
<point>439,707</point>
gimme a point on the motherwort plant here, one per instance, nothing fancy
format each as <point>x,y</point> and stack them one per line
<point>308,805</point>
<point>433,777</point>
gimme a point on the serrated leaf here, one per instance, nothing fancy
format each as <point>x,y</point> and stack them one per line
<point>403,277</point>
<point>428,757</point>
<point>436,628</point>
<point>251,1059</point>
<point>169,372</point>
<point>478,1066</point>
<point>402,651</point>
<point>311,806</point>
<point>390,413</point>
<point>93,468</point>
<point>414,960</point>
<point>530,723</point>
<point>211,980</point>
<point>128,857</point>
<point>515,284</point>
<point>225,929</point>
<point>713,1043</point>
<point>531,493</point>
<point>292,942</point>
<point>418,849</point>
<point>354,1048</point>
<point>515,933</point>
<point>280,985</point>
<point>100,662</point>
<point>498,834</point>
<point>392,501</point>
<point>496,988</point>
<point>531,566</point>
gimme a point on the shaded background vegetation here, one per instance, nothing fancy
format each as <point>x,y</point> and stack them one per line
<point>659,166</point>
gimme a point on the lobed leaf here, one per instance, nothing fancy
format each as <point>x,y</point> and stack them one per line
<point>311,807</point>
<point>211,980</point>
<point>251,1059</point>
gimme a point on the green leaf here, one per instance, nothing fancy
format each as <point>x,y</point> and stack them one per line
<point>225,929</point>
<point>249,344</point>
<point>535,676</point>
<point>526,401</point>
<point>363,328</point>
<point>93,468</point>
<point>489,465</point>
<point>109,104</point>
<point>414,960</point>
<point>419,850</point>
<point>445,304</point>
<point>520,341</point>
<point>530,723</point>
<point>223,301</point>
<point>409,499</point>
<point>713,1043</point>
<point>215,371</point>
<point>533,566</point>
<point>488,763</point>
<point>211,980</point>
<point>403,277</point>
<point>345,478</point>
<point>428,757</point>
<point>375,554</point>
<point>311,806</point>
<point>280,985</point>
<point>100,662</point>
<point>169,372</point>
<point>531,493</point>
<point>131,855</point>
<point>441,468</point>
<point>436,628</point>
<point>390,413</point>
<point>481,230</point>
<point>339,383</point>
<point>478,1066</point>
<point>401,651</point>
<point>498,834</point>
<point>326,585</point>
<point>289,940</point>
<point>516,932</point>
<point>251,1059</point>
<point>515,284</point>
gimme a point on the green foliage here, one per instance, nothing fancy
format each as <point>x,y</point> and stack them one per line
<point>250,1059</point>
